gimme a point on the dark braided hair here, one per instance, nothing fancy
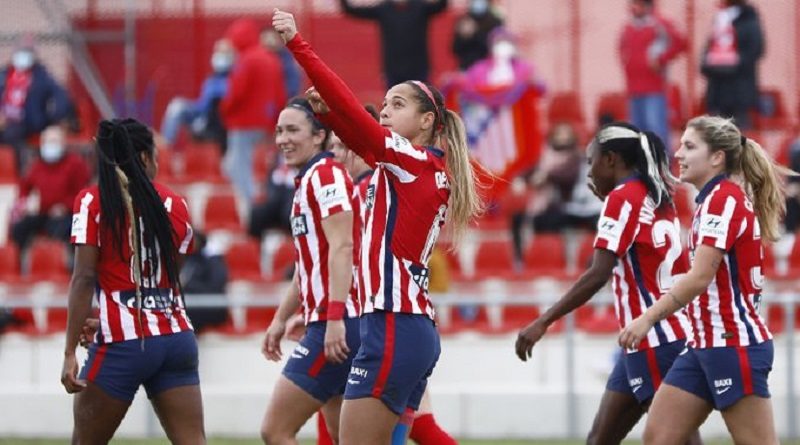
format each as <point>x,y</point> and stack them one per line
<point>128,198</point>
<point>642,151</point>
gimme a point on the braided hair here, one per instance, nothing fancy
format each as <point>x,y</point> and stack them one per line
<point>128,199</point>
<point>642,151</point>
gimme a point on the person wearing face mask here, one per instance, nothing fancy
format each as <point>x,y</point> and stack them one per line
<point>471,34</point>
<point>202,114</point>
<point>30,100</point>
<point>47,191</point>
<point>730,61</point>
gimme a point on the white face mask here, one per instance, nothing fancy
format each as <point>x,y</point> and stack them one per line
<point>504,50</point>
<point>22,60</point>
<point>51,152</point>
<point>221,62</point>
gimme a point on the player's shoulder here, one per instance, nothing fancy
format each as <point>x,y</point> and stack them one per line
<point>633,192</point>
<point>90,195</point>
<point>723,192</point>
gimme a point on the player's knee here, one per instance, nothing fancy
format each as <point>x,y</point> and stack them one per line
<point>658,434</point>
<point>273,436</point>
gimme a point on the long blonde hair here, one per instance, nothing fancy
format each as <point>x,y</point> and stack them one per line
<point>449,134</point>
<point>763,179</point>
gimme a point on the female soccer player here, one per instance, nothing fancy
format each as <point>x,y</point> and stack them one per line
<point>740,204</point>
<point>129,232</point>
<point>638,244</point>
<point>322,226</point>
<point>414,187</point>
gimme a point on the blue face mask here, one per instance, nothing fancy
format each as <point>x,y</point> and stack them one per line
<point>221,62</point>
<point>479,7</point>
<point>22,60</point>
<point>51,152</point>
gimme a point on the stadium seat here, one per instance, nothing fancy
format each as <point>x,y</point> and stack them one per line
<point>244,261</point>
<point>202,164</point>
<point>782,156</point>
<point>261,163</point>
<point>565,107</point>
<point>8,166</point>
<point>221,214</point>
<point>166,167</point>
<point>9,263</point>
<point>283,260</point>
<point>677,115</point>
<point>494,258</point>
<point>771,113</point>
<point>545,255</point>
<point>47,261</point>
<point>613,106</point>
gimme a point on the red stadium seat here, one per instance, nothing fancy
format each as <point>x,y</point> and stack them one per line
<point>8,166</point>
<point>565,107</point>
<point>9,263</point>
<point>772,114</point>
<point>244,261</point>
<point>613,106</point>
<point>261,162</point>
<point>47,261</point>
<point>677,115</point>
<point>494,258</point>
<point>585,253</point>
<point>283,260</point>
<point>221,214</point>
<point>545,255</point>
<point>166,167</point>
<point>202,164</point>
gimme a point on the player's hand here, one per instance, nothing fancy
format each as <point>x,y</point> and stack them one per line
<point>632,335</point>
<point>317,103</point>
<point>69,375</point>
<point>295,328</point>
<point>527,339</point>
<point>336,350</point>
<point>271,349</point>
<point>89,329</point>
<point>283,22</point>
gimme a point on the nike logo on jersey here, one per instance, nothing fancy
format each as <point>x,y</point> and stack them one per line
<point>636,388</point>
<point>723,390</point>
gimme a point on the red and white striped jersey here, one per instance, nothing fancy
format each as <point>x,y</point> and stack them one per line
<point>323,189</point>
<point>359,215</point>
<point>163,311</point>
<point>647,243</point>
<point>726,314</point>
<point>407,196</point>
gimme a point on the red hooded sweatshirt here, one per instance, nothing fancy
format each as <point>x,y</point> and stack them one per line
<point>255,91</point>
<point>642,40</point>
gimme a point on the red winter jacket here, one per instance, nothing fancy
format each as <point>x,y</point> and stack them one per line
<point>56,183</point>
<point>643,39</point>
<point>255,91</point>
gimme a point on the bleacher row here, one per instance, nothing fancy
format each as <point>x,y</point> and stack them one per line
<point>486,256</point>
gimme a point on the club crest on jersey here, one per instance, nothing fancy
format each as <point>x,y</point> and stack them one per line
<point>299,226</point>
<point>420,275</point>
<point>370,199</point>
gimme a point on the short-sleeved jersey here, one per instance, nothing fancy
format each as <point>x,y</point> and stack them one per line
<point>323,189</point>
<point>163,311</point>
<point>361,183</point>
<point>406,206</point>
<point>726,313</point>
<point>646,241</point>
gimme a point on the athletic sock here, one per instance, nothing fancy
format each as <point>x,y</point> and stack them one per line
<point>427,432</point>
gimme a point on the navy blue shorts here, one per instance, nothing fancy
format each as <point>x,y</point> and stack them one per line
<point>723,375</point>
<point>398,353</point>
<point>308,368</point>
<point>119,368</point>
<point>639,374</point>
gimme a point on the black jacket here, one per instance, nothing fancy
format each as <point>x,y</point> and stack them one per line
<point>404,35</point>
<point>736,88</point>
<point>46,104</point>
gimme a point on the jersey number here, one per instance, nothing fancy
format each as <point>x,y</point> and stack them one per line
<point>664,230</point>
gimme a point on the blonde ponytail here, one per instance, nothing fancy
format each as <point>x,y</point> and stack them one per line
<point>765,187</point>
<point>465,201</point>
<point>134,240</point>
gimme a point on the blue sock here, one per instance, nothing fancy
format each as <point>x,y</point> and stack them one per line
<point>399,434</point>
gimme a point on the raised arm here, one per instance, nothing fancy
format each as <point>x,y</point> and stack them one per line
<point>371,141</point>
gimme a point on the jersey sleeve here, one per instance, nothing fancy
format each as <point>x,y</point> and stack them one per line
<point>333,190</point>
<point>618,224</point>
<point>403,159</point>
<point>85,219</point>
<point>178,212</point>
<point>719,221</point>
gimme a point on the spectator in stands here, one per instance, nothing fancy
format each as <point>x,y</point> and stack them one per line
<point>471,34</point>
<point>250,109</point>
<point>202,114</point>
<point>275,212</point>
<point>292,79</point>
<point>404,35</point>
<point>48,190</point>
<point>204,272</point>
<point>649,42</point>
<point>730,62</point>
<point>30,100</point>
